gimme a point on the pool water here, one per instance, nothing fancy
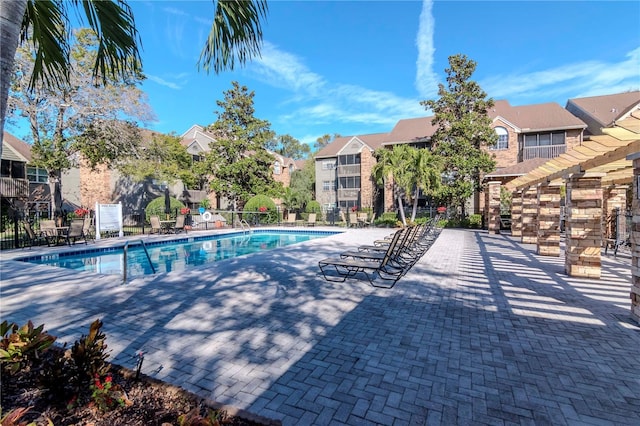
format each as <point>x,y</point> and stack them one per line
<point>174,256</point>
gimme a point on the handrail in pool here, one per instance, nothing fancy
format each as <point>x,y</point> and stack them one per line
<point>124,269</point>
<point>243,223</point>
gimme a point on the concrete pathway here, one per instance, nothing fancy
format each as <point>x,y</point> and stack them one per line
<point>480,331</point>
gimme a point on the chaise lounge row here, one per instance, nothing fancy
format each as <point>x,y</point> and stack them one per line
<point>385,261</point>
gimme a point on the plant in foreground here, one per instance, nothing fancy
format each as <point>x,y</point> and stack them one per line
<point>105,394</point>
<point>20,346</point>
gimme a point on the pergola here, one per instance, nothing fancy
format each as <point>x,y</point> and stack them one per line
<point>596,174</point>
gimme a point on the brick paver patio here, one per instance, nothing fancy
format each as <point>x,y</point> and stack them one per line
<point>480,331</point>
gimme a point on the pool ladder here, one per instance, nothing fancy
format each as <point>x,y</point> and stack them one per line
<point>243,224</point>
<point>126,249</point>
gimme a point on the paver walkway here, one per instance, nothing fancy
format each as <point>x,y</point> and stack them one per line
<point>480,331</point>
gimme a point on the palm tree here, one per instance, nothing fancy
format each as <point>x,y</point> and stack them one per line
<point>391,166</point>
<point>235,35</point>
<point>424,173</point>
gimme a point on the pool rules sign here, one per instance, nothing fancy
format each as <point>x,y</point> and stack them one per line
<point>109,219</point>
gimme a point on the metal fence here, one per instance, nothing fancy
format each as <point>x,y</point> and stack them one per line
<point>13,235</point>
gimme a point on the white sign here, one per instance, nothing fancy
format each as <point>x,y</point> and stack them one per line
<point>109,219</point>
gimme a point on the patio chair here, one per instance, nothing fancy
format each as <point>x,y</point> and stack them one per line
<point>339,269</point>
<point>363,220</point>
<point>49,230</point>
<point>32,236</point>
<point>353,220</point>
<point>88,229</point>
<point>311,220</point>
<point>179,225</point>
<point>75,232</point>
<point>156,228</point>
<point>291,219</point>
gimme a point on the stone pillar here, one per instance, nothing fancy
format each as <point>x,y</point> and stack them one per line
<point>492,207</point>
<point>584,225</point>
<point>549,220</point>
<point>530,216</point>
<point>635,239</point>
<point>614,197</point>
<point>516,214</point>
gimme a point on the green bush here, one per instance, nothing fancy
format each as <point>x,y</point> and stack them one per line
<point>313,207</point>
<point>265,208</point>
<point>472,222</point>
<point>156,207</point>
<point>475,221</point>
<point>387,219</point>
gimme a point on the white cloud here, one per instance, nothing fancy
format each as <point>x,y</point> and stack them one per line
<point>426,79</point>
<point>163,82</point>
<point>588,78</point>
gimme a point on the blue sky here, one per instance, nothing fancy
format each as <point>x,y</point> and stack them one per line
<point>356,67</point>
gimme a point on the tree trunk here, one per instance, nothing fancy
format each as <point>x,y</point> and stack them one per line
<point>401,209</point>
<point>11,14</point>
<point>415,205</point>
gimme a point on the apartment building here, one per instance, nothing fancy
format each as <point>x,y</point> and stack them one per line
<point>526,134</point>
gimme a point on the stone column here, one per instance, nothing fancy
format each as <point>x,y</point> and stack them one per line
<point>549,220</point>
<point>614,197</point>
<point>635,239</point>
<point>530,216</point>
<point>492,207</point>
<point>584,225</point>
<point>516,214</point>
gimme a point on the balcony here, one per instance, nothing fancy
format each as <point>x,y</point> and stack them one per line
<point>14,188</point>
<point>547,151</point>
<point>348,194</point>
<point>349,170</point>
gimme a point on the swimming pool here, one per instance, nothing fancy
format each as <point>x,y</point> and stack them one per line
<point>175,255</point>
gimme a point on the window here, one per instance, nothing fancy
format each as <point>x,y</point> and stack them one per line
<point>12,169</point>
<point>37,175</point>
<point>276,168</point>
<point>544,139</point>
<point>328,165</point>
<point>503,139</point>
<point>350,182</point>
<point>328,185</point>
<point>349,159</point>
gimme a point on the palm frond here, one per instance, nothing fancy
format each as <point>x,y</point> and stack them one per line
<point>46,22</point>
<point>236,34</point>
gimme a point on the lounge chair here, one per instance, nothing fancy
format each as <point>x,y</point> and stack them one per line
<point>311,220</point>
<point>33,237</point>
<point>339,269</point>
<point>291,219</point>
<point>75,232</point>
<point>156,228</point>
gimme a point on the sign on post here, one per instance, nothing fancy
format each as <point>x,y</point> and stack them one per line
<point>109,219</point>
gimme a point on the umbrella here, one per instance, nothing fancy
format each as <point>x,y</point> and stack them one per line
<point>167,201</point>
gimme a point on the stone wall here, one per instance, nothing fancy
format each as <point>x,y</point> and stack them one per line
<point>583,226</point>
<point>516,214</point>
<point>367,161</point>
<point>492,207</point>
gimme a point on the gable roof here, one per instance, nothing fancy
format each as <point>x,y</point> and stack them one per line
<point>18,149</point>
<point>535,118</point>
<point>603,111</point>
<point>411,130</point>
<point>373,141</point>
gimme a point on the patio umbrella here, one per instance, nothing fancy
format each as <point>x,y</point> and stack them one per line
<point>167,201</point>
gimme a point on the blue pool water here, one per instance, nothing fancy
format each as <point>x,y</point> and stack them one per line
<point>175,255</point>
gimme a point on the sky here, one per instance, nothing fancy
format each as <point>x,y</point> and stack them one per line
<point>357,67</point>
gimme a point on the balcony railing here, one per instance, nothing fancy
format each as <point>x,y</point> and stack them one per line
<point>349,170</point>
<point>348,194</point>
<point>548,151</point>
<point>14,188</point>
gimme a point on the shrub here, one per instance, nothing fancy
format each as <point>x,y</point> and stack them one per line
<point>156,207</point>
<point>387,219</point>
<point>266,208</point>
<point>20,346</point>
<point>475,221</point>
<point>314,207</point>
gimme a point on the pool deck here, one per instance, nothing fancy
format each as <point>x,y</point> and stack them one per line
<point>480,331</point>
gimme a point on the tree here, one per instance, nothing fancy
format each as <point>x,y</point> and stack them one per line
<point>389,170</point>
<point>303,183</point>
<point>238,161</point>
<point>235,34</point>
<point>423,174</point>
<point>99,123</point>
<point>163,159</point>
<point>288,146</point>
<point>463,132</point>
<point>324,140</point>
